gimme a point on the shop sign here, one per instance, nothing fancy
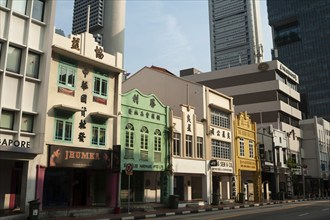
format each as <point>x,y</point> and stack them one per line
<point>223,167</point>
<point>142,166</point>
<point>213,163</point>
<point>14,143</point>
<point>79,157</point>
<point>247,164</point>
<point>220,133</point>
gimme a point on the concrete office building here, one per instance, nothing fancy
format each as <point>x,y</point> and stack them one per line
<point>235,33</point>
<point>107,22</point>
<point>26,30</point>
<point>301,41</point>
<point>316,148</point>
<point>267,91</point>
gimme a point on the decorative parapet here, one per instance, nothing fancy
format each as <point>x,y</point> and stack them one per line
<point>85,45</point>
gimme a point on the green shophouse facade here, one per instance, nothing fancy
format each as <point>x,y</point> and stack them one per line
<point>145,145</point>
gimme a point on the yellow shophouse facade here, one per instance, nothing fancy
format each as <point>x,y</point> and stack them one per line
<point>247,167</point>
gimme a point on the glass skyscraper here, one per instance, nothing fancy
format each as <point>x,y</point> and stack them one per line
<point>235,33</point>
<point>301,38</point>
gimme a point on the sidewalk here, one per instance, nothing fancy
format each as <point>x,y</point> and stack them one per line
<point>164,211</point>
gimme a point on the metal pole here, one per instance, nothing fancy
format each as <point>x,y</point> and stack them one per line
<point>129,192</point>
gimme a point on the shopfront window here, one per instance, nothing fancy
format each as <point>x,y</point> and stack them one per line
<point>200,148</point>
<point>188,146</point>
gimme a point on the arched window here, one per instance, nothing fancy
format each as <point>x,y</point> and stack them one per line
<point>144,138</point>
<point>129,138</point>
<point>157,146</point>
<point>157,140</point>
<point>129,141</point>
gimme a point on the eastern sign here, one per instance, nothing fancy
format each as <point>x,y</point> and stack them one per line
<point>223,166</point>
<point>60,156</point>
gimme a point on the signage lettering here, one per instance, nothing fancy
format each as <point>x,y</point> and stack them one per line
<point>287,71</point>
<point>15,143</point>
<point>81,155</point>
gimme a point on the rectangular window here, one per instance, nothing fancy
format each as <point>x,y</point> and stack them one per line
<point>7,120</point>
<point>251,151</point>
<point>3,3</point>
<point>38,9</point>
<point>67,75</point>
<point>27,123</point>
<point>176,144</point>
<point>63,126</point>
<point>14,59</point>
<point>200,148</point>
<point>19,6</point>
<point>98,134</point>
<point>221,149</point>
<point>241,147</point>
<point>101,85</point>
<point>219,118</point>
<point>32,68</point>
<point>188,146</point>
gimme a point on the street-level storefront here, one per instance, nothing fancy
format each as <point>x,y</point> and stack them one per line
<point>17,170</point>
<point>79,177</point>
<point>144,124</point>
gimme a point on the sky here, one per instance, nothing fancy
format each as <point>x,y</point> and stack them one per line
<point>173,34</point>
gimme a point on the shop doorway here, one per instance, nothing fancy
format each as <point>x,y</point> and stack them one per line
<point>179,186</point>
<point>79,187</point>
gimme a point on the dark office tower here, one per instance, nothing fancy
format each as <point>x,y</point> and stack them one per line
<point>301,35</point>
<point>235,33</point>
<point>106,23</point>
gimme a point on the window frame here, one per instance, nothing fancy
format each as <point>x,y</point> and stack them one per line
<point>42,10</point>
<point>129,136</point>
<point>102,78</point>
<point>28,116</point>
<point>251,149</point>
<point>3,1</point>
<point>15,6</point>
<point>221,149</point>
<point>144,141</point>
<point>189,144</point>
<point>99,127</point>
<point>17,60</point>
<point>241,147</point>
<point>157,140</point>
<point>220,118</point>
<point>11,120</point>
<point>67,66</point>
<point>67,120</point>
<point>35,68</point>
<point>176,144</point>
<point>200,147</point>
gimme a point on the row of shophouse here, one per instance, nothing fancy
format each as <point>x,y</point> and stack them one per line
<point>73,133</point>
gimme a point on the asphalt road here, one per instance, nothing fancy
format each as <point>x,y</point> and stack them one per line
<point>308,210</point>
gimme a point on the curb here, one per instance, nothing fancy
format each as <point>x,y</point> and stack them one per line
<point>210,209</point>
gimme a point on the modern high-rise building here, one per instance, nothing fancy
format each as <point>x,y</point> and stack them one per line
<point>301,38</point>
<point>235,33</point>
<point>106,22</point>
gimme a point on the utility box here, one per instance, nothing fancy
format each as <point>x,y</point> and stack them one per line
<point>174,202</point>
<point>34,209</point>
